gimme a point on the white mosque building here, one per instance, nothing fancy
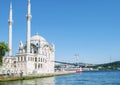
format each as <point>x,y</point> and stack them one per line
<point>35,57</point>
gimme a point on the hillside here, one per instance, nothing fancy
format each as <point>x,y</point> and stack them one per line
<point>107,66</point>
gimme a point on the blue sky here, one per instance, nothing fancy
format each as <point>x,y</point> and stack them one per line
<point>90,28</point>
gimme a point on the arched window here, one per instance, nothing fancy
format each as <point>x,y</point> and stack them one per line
<point>39,59</point>
<point>35,59</point>
<point>35,66</point>
<point>21,59</point>
<point>18,58</point>
<point>38,66</point>
<point>41,66</point>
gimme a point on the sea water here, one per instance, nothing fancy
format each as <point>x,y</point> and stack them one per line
<point>83,78</point>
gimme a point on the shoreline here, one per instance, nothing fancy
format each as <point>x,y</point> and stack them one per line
<point>15,78</point>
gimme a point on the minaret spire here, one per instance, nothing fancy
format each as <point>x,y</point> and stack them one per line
<point>28,26</point>
<point>10,22</point>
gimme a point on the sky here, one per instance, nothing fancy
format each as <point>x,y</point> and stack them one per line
<point>87,28</point>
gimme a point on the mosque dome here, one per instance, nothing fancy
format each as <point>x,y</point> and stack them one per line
<point>39,38</point>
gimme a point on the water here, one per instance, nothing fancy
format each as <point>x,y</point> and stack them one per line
<point>84,78</point>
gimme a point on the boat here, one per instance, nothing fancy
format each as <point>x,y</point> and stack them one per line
<point>79,70</point>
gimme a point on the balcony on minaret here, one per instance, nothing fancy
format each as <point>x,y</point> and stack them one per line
<point>10,22</point>
<point>29,17</point>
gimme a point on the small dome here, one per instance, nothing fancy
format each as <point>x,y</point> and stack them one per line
<point>37,37</point>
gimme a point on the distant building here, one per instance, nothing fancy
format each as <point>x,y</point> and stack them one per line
<point>35,57</point>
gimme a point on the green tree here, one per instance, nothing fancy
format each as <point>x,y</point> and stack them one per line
<point>3,49</point>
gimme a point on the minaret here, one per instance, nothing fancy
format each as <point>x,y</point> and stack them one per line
<point>28,26</point>
<point>10,22</point>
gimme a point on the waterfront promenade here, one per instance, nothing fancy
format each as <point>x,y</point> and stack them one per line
<point>18,77</point>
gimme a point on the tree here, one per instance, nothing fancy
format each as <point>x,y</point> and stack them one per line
<point>3,49</point>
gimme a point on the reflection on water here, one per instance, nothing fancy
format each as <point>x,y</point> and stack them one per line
<point>37,81</point>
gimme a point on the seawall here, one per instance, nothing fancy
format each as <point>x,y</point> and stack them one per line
<point>14,78</point>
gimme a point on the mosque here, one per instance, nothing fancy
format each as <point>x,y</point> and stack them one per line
<point>35,57</point>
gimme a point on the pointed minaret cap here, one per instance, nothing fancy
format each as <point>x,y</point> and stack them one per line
<point>11,4</point>
<point>10,21</point>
